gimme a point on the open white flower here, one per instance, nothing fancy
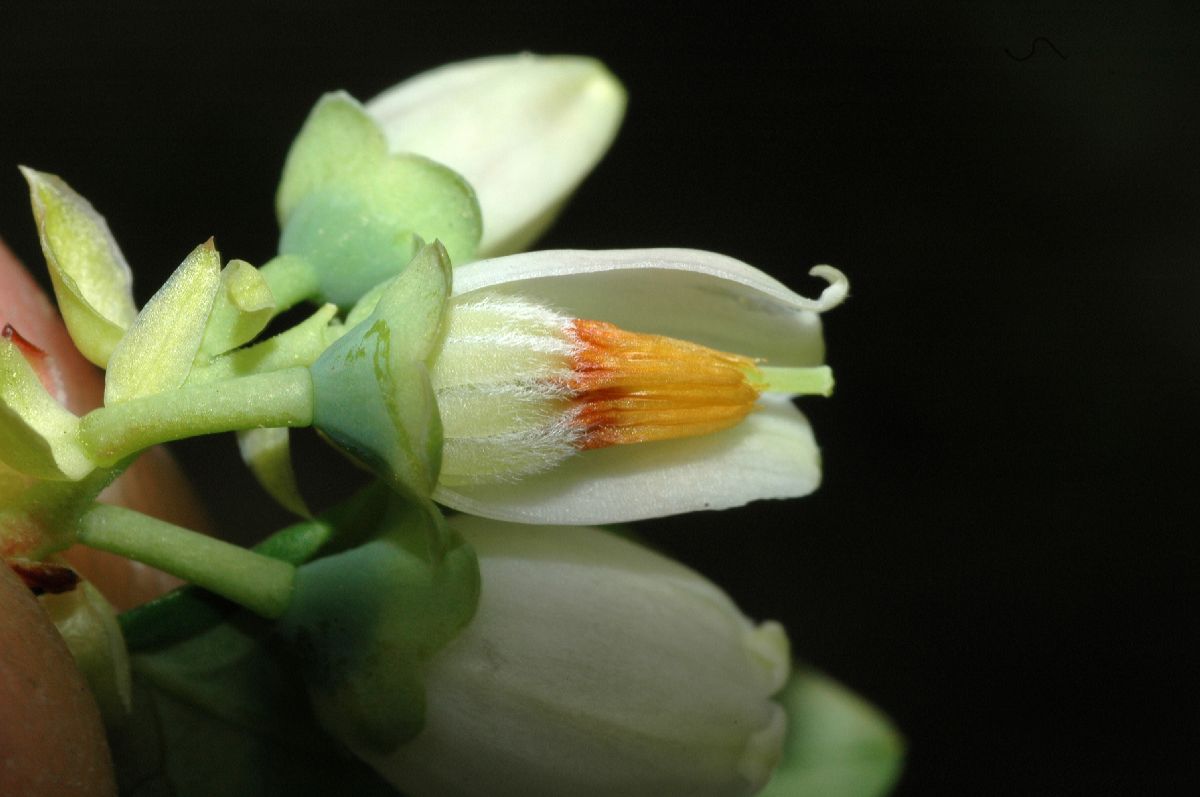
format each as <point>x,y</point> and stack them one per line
<point>523,129</point>
<point>594,666</point>
<point>553,364</point>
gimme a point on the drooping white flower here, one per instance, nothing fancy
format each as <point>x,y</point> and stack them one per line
<point>562,401</point>
<point>523,129</point>
<point>594,666</point>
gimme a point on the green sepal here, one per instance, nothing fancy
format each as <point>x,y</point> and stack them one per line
<point>338,139</point>
<point>158,351</point>
<point>267,452</point>
<point>38,436</point>
<point>371,388</point>
<point>837,744</point>
<point>365,623</point>
<point>349,249</point>
<point>356,213</point>
<point>91,279</point>
<point>243,307</point>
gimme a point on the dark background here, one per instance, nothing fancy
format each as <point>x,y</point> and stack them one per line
<point>1003,555</point>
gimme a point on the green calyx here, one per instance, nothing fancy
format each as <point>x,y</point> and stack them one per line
<point>371,390</point>
<point>354,214</point>
<point>365,622</point>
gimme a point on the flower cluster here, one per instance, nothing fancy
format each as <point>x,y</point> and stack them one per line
<point>512,649</point>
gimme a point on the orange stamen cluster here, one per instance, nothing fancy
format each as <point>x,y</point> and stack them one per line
<point>632,388</point>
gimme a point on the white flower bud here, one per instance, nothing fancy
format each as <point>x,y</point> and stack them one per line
<point>523,129</point>
<point>595,667</point>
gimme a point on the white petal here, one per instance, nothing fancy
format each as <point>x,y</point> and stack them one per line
<point>771,454</point>
<point>524,130</point>
<point>685,293</point>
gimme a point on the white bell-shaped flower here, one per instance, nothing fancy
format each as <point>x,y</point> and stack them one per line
<point>595,666</point>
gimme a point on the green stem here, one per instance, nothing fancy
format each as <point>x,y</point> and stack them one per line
<point>277,398</point>
<point>291,278</point>
<point>260,583</point>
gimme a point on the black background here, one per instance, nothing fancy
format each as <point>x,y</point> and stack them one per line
<point>1003,555</point>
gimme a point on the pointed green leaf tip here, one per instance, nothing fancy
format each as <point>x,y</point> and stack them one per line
<point>837,744</point>
<point>90,276</point>
<point>356,213</point>
<point>372,394</point>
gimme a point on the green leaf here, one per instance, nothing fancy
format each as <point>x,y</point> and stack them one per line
<point>372,394</point>
<point>158,351</point>
<point>837,744</point>
<point>90,276</point>
<point>355,213</point>
<point>38,436</point>
<point>244,304</point>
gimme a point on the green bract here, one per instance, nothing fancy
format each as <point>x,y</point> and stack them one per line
<point>158,351</point>
<point>243,307</point>
<point>91,279</point>
<point>371,390</point>
<point>355,214</point>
